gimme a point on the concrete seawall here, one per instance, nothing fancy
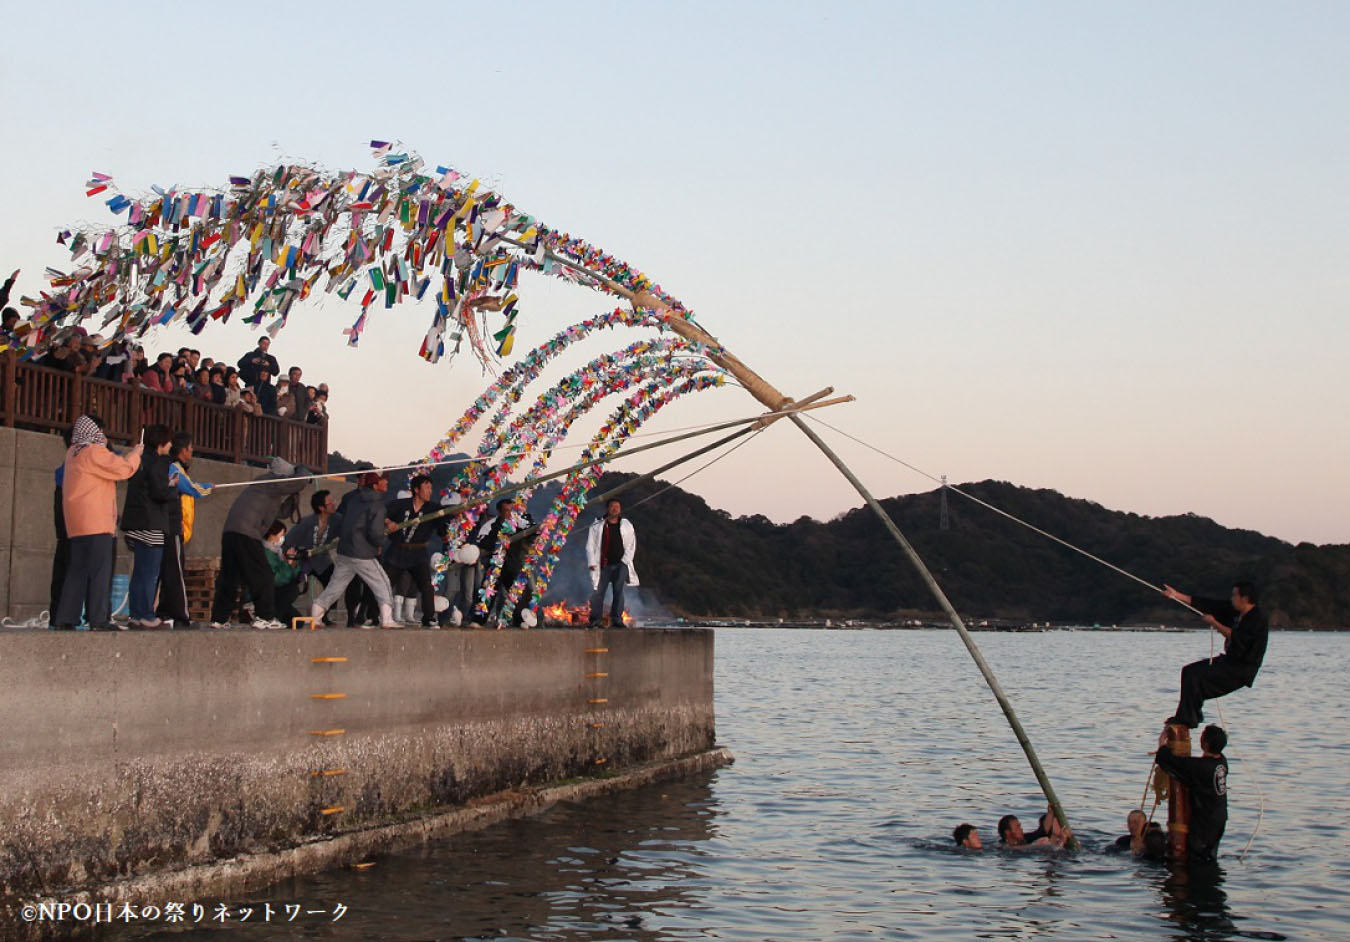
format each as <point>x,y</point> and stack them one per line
<point>133,754</point>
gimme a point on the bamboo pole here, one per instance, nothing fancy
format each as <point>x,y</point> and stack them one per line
<point>1178,795</point>
<point>771,397</point>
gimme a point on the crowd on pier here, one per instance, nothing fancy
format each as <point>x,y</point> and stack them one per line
<point>376,554</point>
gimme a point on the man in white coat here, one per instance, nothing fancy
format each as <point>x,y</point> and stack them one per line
<point>610,545</point>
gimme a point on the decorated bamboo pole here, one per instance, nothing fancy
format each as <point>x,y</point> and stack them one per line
<point>1178,795</point>
<point>769,396</point>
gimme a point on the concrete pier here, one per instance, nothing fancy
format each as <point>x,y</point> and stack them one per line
<point>132,756</point>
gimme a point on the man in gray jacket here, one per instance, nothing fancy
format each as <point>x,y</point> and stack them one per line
<point>364,527</point>
<point>242,557</point>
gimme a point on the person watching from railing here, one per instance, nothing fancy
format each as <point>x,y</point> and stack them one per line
<point>9,324</point>
<point>135,358</point>
<point>194,360</point>
<point>301,393</point>
<point>201,387</point>
<point>157,377</point>
<point>145,522</point>
<point>318,410</point>
<point>251,364</point>
<point>265,392</point>
<point>178,378</point>
<point>89,501</point>
<point>217,388</point>
<point>67,356</point>
<point>234,390</point>
<point>285,400</point>
<point>248,403</point>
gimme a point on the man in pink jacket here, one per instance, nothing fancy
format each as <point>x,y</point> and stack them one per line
<point>89,500</point>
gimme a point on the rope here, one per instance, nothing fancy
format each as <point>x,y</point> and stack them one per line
<point>1014,519</point>
<point>499,459</point>
<point>1261,797</point>
<point>41,620</point>
<point>702,467</point>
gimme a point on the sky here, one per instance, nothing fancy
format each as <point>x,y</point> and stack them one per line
<point>1099,248</point>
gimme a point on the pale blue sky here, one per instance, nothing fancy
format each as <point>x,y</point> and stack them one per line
<point>1095,247</point>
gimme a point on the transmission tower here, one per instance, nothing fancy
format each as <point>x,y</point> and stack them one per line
<point>944,522</point>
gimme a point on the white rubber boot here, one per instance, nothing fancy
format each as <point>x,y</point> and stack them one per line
<point>398,606</point>
<point>387,617</point>
<point>456,617</point>
<point>316,612</point>
<point>409,610</point>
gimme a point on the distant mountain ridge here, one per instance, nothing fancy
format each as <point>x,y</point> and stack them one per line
<point>697,560</point>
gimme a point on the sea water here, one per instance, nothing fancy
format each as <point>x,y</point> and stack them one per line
<point>857,753</point>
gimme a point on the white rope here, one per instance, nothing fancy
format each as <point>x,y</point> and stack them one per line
<point>1005,514</point>
<point>498,458</point>
<point>704,467</point>
<point>41,620</point>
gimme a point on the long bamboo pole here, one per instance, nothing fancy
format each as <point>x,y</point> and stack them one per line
<point>1036,768</point>
<point>771,397</point>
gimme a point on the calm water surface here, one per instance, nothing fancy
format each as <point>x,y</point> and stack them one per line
<point>857,752</point>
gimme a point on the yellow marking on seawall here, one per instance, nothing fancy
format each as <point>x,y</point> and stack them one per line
<point>598,700</point>
<point>599,674</point>
<point>326,732</point>
<point>327,696</point>
<point>328,660</point>
<point>597,650</point>
<point>333,810</point>
<point>326,773</point>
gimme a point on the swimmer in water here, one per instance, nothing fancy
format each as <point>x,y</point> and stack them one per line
<point>967,837</point>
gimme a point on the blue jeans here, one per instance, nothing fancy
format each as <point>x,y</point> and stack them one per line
<point>144,579</point>
<point>615,574</point>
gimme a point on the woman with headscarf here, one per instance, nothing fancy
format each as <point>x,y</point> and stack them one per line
<point>89,501</point>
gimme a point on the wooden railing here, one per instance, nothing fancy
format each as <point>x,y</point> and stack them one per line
<point>39,397</point>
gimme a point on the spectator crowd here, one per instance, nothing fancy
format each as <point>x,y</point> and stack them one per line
<point>254,385</point>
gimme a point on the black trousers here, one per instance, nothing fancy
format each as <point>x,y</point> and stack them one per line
<point>420,573</point>
<point>1206,680</point>
<point>172,588</point>
<point>60,563</point>
<point>243,562</point>
<point>284,597</point>
<point>88,582</point>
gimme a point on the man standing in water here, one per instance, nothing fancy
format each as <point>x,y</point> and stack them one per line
<point>1206,778</point>
<point>1245,630</point>
<point>610,546</point>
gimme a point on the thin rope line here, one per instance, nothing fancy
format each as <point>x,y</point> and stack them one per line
<point>1004,513</point>
<point>704,467</point>
<point>496,459</point>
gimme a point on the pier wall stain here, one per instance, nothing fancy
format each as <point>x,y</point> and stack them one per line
<point>133,754</point>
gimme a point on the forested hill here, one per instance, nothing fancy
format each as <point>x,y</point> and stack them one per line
<point>698,560</point>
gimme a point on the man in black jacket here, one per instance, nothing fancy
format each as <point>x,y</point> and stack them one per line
<point>1245,632</point>
<point>1206,779</point>
<point>251,363</point>
<point>407,551</point>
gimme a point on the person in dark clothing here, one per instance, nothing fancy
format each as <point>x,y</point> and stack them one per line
<point>488,539</point>
<point>173,605</point>
<point>242,559</point>
<point>266,392</point>
<point>251,363</point>
<point>407,550</point>
<point>1206,780</point>
<point>1245,631</point>
<point>145,521</point>
<point>364,528</point>
<point>357,598</point>
<point>301,393</point>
